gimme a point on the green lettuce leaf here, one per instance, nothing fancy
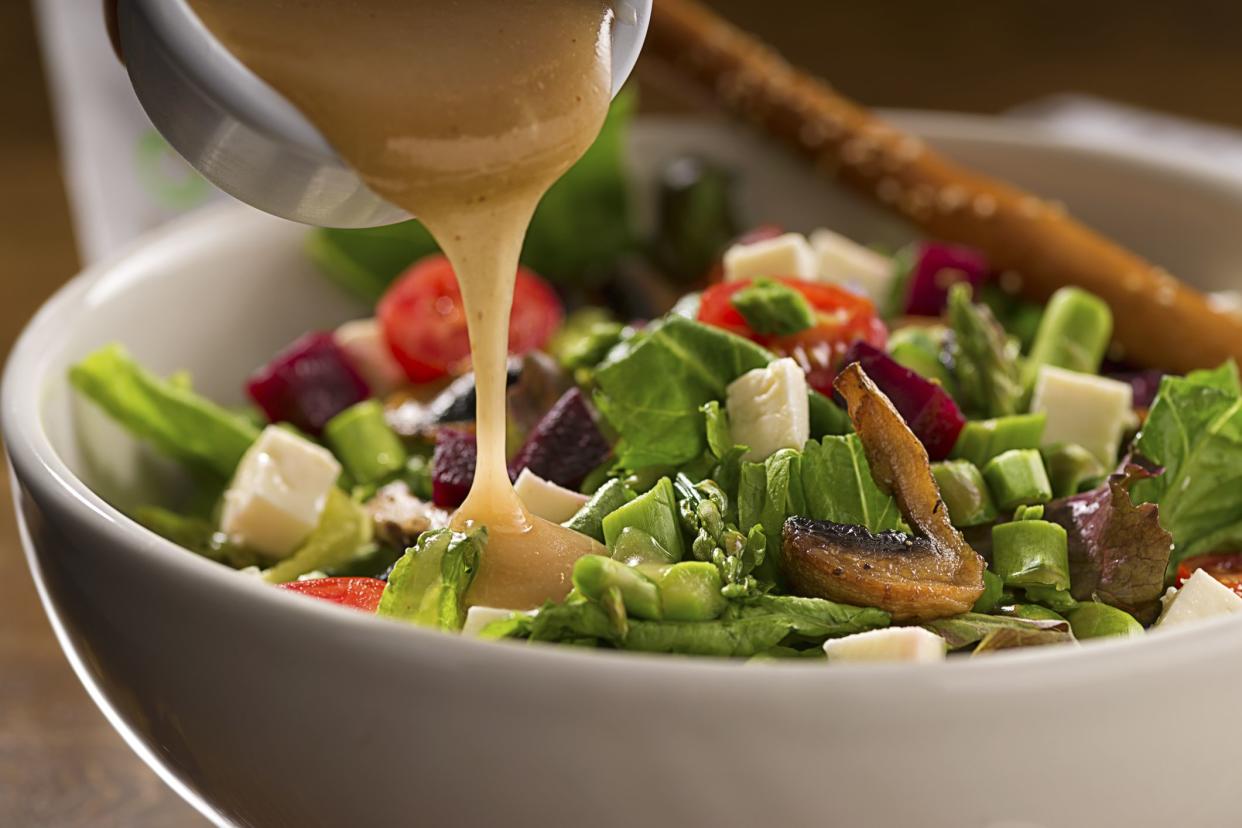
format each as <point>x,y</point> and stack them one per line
<point>652,388</point>
<point>1223,377</point>
<point>427,585</point>
<point>195,534</point>
<point>746,629</point>
<point>837,485</point>
<point>579,230</point>
<point>769,492</point>
<point>971,628</point>
<point>1194,431</point>
<point>985,361</point>
<point>166,414</point>
<point>343,534</point>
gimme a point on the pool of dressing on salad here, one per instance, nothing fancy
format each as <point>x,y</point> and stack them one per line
<point>462,112</point>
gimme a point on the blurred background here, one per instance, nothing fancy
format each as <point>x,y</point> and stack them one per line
<point>60,764</point>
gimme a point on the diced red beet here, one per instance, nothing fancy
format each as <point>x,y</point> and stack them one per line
<point>307,384</point>
<point>937,267</point>
<point>452,466</point>
<point>927,408</point>
<point>566,445</point>
<point>1144,383</point>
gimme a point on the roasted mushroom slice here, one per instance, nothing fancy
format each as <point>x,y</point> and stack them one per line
<point>910,576</point>
<point>399,517</point>
<point>929,574</point>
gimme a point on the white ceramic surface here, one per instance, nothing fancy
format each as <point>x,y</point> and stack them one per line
<point>264,708</point>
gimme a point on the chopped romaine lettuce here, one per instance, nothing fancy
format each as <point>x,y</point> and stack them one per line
<point>427,585</point>
<point>195,534</point>
<point>652,388</point>
<point>166,414</point>
<point>837,486</point>
<point>746,629</point>
<point>970,628</point>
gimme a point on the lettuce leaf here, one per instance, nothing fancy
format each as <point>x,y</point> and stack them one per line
<point>343,533</point>
<point>652,388</point>
<point>195,534</point>
<point>1194,431</point>
<point>164,413</point>
<point>837,486</point>
<point>828,480</point>
<point>960,631</point>
<point>769,492</point>
<point>427,585</point>
<point>746,629</point>
<point>579,230</point>
<point>1118,552</point>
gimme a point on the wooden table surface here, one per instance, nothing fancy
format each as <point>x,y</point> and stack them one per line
<point>60,763</point>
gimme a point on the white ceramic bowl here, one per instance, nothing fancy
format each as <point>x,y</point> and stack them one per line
<point>264,708</point>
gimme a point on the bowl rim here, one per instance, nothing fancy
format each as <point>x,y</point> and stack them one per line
<point>39,468</point>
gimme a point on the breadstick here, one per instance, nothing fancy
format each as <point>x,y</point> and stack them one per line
<point>1159,322</point>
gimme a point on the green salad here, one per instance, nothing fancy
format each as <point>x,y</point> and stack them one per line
<point>785,445</point>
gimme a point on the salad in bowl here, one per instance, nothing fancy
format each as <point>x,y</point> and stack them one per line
<point>780,445</point>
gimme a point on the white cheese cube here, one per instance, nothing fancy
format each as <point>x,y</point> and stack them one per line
<point>1091,411</point>
<point>479,617</point>
<point>913,644</point>
<point>787,255</point>
<point>278,492</point>
<point>368,352</point>
<point>1201,597</point>
<point>769,409</point>
<point>547,500</point>
<point>841,261</point>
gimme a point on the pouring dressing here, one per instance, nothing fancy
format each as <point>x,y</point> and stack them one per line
<point>463,114</point>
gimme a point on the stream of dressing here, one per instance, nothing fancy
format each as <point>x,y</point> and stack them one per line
<point>462,112</point>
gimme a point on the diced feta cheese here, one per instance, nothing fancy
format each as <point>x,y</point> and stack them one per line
<point>769,409</point>
<point>1091,411</point>
<point>368,352</point>
<point>278,492</point>
<point>845,262</point>
<point>787,255</point>
<point>479,617</point>
<point>1202,596</point>
<point>913,644</point>
<point>547,500</point>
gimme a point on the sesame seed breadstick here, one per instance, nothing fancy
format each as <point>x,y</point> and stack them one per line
<point>1158,320</point>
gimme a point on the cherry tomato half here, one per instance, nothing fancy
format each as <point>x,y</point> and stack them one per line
<point>842,317</point>
<point>424,322</point>
<point>1225,567</point>
<point>359,593</point>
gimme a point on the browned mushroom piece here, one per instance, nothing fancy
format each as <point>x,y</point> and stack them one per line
<point>930,574</point>
<point>399,517</point>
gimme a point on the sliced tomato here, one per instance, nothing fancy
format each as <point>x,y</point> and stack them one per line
<point>359,593</point>
<point>842,318</point>
<point>424,322</point>
<point>1225,567</point>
